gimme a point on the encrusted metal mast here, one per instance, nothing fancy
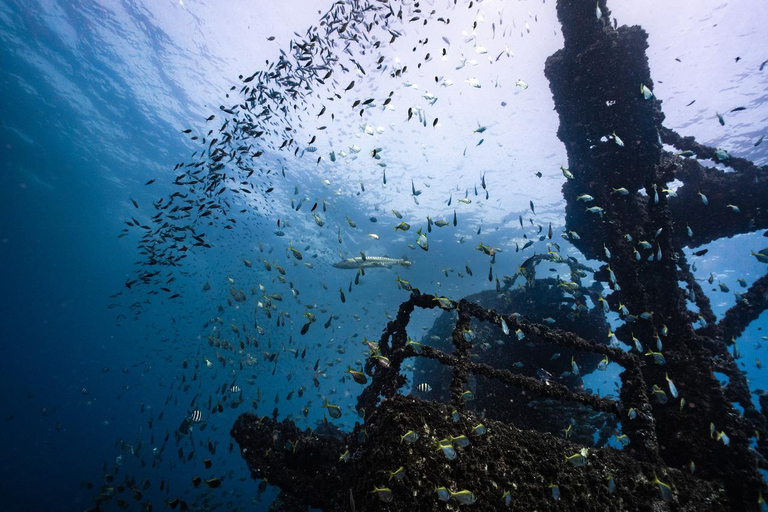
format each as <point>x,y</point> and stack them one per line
<point>612,133</point>
<point>596,83</point>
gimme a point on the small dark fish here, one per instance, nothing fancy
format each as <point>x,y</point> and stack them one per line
<point>150,182</point>
<point>701,252</point>
<point>134,202</point>
<point>270,189</point>
<point>691,103</point>
<point>544,376</point>
<point>759,140</point>
<point>490,273</point>
<point>211,117</point>
<point>455,220</point>
<point>185,426</point>
<point>532,208</point>
<point>350,86</point>
<point>434,123</point>
<point>738,109</point>
<point>721,119</point>
<point>305,328</point>
<point>271,38</point>
<point>343,298</point>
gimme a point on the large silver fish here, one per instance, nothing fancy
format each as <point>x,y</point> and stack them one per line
<point>371,262</point>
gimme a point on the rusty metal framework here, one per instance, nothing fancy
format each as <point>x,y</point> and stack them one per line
<point>387,379</point>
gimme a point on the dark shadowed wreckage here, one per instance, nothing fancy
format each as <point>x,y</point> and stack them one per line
<point>522,460</point>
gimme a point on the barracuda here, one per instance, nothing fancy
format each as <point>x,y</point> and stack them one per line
<point>371,262</point>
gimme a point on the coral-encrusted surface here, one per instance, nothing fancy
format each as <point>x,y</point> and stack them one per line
<point>505,458</point>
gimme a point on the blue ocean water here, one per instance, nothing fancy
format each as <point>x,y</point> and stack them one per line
<point>94,98</point>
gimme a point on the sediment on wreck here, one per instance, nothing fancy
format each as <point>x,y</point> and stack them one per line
<point>595,81</point>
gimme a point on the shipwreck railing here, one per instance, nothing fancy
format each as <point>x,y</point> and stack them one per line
<point>387,379</point>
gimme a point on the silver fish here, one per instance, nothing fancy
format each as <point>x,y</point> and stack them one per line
<point>371,262</point>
